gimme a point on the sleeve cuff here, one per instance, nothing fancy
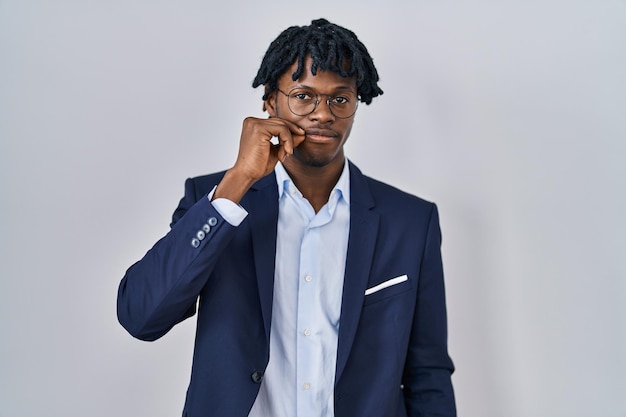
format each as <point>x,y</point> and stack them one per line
<point>231,212</point>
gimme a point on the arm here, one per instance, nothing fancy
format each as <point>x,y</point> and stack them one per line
<point>427,385</point>
<point>161,289</point>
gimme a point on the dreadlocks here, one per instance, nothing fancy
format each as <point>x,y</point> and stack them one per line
<point>331,47</point>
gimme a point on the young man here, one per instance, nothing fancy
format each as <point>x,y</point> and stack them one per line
<point>320,290</point>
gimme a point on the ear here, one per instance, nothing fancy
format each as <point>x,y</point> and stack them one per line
<point>269,105</point>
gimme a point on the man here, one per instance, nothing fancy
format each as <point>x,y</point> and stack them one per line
<point>320,290</point>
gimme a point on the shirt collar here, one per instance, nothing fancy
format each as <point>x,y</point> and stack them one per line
<point>342,187</point>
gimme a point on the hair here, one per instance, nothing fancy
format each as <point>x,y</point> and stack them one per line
<point>330,46</point>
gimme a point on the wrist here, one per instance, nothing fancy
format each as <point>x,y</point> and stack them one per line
<point>233,186</point>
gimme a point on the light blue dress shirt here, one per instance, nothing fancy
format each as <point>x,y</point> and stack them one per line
<point>310,264</point>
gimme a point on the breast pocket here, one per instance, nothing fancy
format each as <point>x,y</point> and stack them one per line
<point>388,288</point>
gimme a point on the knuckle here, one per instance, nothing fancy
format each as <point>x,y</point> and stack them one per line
<point>248,121</point>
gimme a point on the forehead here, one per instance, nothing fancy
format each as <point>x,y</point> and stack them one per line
<point>321,80</point>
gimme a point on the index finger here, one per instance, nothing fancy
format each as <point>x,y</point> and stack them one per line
<point>292,140</point>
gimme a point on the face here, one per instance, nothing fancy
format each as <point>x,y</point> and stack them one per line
<point>325,133</point>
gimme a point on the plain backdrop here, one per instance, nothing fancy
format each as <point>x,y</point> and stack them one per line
<point>510,115</point>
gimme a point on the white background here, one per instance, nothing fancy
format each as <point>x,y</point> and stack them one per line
<point>510,115</point>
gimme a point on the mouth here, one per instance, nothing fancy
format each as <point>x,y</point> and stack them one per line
<point>320,135</point>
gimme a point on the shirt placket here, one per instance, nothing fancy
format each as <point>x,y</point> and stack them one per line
<point>309,288</point>
<point>305,343</point>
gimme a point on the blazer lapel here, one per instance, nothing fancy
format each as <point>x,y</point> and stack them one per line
<point>263,219</point>
<point>361,244</point>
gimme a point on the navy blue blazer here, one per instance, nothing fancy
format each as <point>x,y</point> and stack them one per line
<point>392,357</point>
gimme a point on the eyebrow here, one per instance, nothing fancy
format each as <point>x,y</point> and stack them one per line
<point>337,88</point>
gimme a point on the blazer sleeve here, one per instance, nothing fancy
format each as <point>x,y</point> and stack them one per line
<point>162,288</point>
<point>427,382</point>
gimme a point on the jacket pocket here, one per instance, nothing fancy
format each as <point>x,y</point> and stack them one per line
<point>388,288</point>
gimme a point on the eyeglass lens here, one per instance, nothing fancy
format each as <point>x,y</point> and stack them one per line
<point>304,101</point>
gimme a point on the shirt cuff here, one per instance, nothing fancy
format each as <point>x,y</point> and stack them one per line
<point>232,212</point>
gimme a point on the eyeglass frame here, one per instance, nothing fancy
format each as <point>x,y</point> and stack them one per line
<point>317,101</point>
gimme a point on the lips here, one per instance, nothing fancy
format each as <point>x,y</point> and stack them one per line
<point>320,135</point>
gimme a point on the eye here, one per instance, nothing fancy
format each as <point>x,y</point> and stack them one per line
<point>340,100</point>
<point>302,95</point>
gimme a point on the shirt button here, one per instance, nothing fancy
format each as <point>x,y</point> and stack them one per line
<point>212,221</point>
<point>195,242</point>
<point>257,377</point>
<point>307,332</point>
<point>206,228</point>
<point>306,385</point>
<point>200,235</point>
<point>308,278</point>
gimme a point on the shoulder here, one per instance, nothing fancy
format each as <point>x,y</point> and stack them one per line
<point>388,198</point>
<point>384,190</point>
<point>197,187</point>
<point>403,216</point>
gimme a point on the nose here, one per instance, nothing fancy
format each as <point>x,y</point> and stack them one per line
<point>322,112</point>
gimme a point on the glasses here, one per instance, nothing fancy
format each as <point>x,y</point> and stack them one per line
<point>304,101</point>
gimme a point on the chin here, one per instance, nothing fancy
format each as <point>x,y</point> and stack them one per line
<point>316,161</point>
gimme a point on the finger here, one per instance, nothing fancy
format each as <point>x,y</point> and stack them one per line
<point>294,128</point>
<point>281,137</point>
<point>298,139</point>
<point>285,142</point>
<point>280,133</point>
<point>298,135</point>
<point>281,154</point>
<point>293,137</point>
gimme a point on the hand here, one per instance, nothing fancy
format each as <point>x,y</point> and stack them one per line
<point>258,155</point>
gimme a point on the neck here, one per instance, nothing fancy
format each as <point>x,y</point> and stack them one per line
<point>315,183</point>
